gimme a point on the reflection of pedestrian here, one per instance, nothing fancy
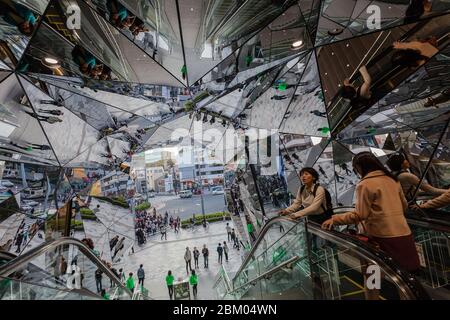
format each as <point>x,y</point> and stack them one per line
<point>318,113</point>
<point>322,171</point>
<point>345,167</point>
<point>19,240</point>
<point>19,16</point>
<point>98,280</point>
<point>220,253</point>
<point>48,119</point>
<point>119,247</point>
<point>163,230</point>
<point>359,96</point>
<point>276,97</point>
<point>113,242</point>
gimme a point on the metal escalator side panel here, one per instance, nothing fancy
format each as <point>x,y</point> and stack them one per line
<point>16,264</point>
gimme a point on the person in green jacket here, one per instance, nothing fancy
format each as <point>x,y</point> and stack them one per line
<point>130,282</point>
<point>250,229</point>
<point>169,282</point>
<point>193,280</point>
<point>105,296</point>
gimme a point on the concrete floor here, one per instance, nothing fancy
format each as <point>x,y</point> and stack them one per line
<point>160,256</point>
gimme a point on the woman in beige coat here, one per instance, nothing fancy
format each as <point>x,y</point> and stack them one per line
<point>380,207</point>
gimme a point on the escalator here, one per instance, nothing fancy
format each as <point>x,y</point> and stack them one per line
<point>298,260</point>
<point>385,76</point>
<point>59,269</point>
<point>432,236</point>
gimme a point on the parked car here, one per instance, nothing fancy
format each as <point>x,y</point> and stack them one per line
<point>31,203</point>
<point>6,183</point>
<point>217,190</point>
<point>185,194</point>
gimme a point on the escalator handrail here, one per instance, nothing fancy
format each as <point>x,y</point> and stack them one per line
<point>82,291</point>
<point>263,231</point>
<point>410,286</point>
<point>15,264</point>
<point>403,280</point>
<point>430,223</point>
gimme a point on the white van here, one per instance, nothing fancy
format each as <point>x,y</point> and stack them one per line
<point>185,194</point>
<point>33,193</point>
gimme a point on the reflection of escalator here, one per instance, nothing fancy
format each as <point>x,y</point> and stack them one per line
<point>298,260</point>
<point>385,75</point>
<point>60,269</point>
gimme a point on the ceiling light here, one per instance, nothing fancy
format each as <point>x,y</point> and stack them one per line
<point>192,9</point>
<point>347,45</point>
<point>326,73</point>
<point>332,53</point>
<point>297,44</point>
<point>339,85</point>
<point>348,65</point>
<point>51,63</point>
<point>51,60</point>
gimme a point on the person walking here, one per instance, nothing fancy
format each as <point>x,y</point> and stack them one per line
<point>205,253</point>
<point>119,246</point>
<point>141,275</point>
<point>113,242</point>
<point>233,237</point>
<point>193,280</point>
<point>122,275</point>
<point>19,240</point>
<point>225,250</point>
<point>104,295</point>
<point>196,255</point>
<point>130,282</point>
<point>163,230</point>
<point>187,259</point>
<point>250,229</point>
<point>169,282</point>
<point>98,280</point>
<point>220,252</point>
<point>228,231</point>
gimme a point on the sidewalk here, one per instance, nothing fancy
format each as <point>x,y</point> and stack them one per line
<point>160,256</point>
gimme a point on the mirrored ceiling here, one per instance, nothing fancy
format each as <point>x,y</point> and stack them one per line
<point>137,75</point>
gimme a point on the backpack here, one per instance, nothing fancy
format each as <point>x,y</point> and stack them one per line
<point>327,209</point>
